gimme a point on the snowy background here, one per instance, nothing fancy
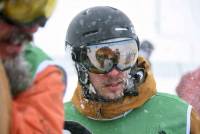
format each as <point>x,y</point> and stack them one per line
<point>173,26</point>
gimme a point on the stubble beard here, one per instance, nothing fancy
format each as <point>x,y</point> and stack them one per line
<point>18,72</point>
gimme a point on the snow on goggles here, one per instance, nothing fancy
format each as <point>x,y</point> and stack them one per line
<point>26,12</point>
<point>103,57</point>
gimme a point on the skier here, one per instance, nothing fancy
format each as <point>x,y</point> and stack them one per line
<point>146,49</point>
<point>119,97</point>
<point>31,85</point>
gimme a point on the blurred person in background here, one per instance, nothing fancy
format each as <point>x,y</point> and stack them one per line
<point>31,85</point>
<point>189,88</point>
<point>146,49</point>
<point>116,92</point>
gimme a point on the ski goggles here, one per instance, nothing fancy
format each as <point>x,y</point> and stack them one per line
<point>26,12</point>
<point>103,57</point>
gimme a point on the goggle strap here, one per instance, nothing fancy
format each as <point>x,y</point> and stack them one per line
<point>40,20</point>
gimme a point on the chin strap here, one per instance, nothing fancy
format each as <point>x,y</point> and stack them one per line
<point>136,77</point>
<point>89,91</point>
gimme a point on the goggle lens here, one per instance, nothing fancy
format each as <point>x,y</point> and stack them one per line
<point>119,54</point>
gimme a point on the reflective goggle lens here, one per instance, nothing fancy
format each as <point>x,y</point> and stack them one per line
<point>120,54</point>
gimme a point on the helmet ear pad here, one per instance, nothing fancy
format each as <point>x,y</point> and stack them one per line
<point>75,54</point>
<point>79,55</point>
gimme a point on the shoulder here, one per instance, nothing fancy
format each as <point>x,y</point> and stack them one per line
<point>68,105</point>
<point>34,52</point>
<point>168,96</point>
<point>189,84</point>
<point>40,62</point>
<point>163,99</point>
<point>41,65</point>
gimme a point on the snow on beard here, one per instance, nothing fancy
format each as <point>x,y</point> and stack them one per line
<point>18,72</point>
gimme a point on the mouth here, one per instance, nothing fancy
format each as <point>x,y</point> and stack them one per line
<point>10,50</point>
<point>15,48</point>
<point>15,37</point>
<point>12,44</point>
<point>114,86</point>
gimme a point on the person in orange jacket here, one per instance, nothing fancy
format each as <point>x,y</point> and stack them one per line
<point>32,86</point>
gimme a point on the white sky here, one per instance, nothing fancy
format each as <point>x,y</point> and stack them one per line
<point>172,25</point>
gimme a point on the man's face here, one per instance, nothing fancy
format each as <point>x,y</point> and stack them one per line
<point>12,38</point>
<point>111,85</point>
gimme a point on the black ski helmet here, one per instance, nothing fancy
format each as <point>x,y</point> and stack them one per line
<point>92,26</point>
<point>97,24</point>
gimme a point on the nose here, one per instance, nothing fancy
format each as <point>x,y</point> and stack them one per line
<point>113,73</point>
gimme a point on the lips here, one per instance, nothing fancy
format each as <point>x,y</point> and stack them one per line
<point>11,45</point>
<point>9,50</point>
<point>13,49</point>
<point>115,86</point>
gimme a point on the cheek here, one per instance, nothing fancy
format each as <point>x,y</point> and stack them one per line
<point>125,74</point>
<point>96,80</point>
<point>3,52</point>
<point>5,29</point>
<point>4,34</point>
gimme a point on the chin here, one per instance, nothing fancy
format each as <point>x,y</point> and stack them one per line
<point>115,97</point>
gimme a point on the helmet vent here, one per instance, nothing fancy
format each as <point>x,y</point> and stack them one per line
<point>90,33</point>
<point>121,29</point>
<point>114,8</point>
